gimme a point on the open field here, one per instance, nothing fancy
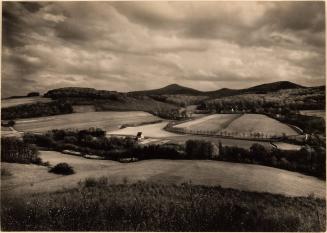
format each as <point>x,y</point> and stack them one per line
<point>28,100</point>
<point>215,122</point>
<point>318,113</point>
<point>257,123</point>
<point>246,125</point>
<point>286,146</point>
<point>36,179</point>
<point>152,130</point>
<point>105,120</point>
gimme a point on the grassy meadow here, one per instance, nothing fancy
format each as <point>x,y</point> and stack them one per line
<point>245,125</point>
<point>96,205</point>
<point>105,120</point>
<point>214,122</point>
<point>257,123</point>
<point>30,178</point>
<point>26,100</point>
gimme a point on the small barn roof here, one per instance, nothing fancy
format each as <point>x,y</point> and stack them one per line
<point>139,134</point>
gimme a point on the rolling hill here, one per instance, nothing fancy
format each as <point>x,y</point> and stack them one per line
<point>156,101</point>
<point>175,89</point>
<point>171,89</point>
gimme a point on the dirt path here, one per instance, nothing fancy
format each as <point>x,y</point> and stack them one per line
<point>34,179</point>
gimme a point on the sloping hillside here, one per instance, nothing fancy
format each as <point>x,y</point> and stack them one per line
<point>66,98</point>
<point>301,98</point>
<point>260,89</point>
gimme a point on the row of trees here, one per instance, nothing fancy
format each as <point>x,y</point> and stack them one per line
<point>78,92</point>
<point>308,160</point>
<point>15,150</point>
<point>309,124</point>
<point>172,114</point>
<point>200,149</point>
<point>36,110</point>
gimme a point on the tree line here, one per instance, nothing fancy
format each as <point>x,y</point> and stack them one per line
<point>14,150</point>
<point>309,160</point>
<point>36,110</point>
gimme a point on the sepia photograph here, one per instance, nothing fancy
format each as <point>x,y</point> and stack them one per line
<point>164,116</point>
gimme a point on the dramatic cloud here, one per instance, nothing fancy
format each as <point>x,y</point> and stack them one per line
<point>128,46</point>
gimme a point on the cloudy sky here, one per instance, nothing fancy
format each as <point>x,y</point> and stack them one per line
<point>127,46</point>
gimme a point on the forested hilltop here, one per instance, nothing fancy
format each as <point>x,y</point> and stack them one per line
<point>277,98</point>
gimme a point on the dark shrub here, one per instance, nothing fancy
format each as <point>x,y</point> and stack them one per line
<point>259,153</point>
<point>11,123</point>
<point>199,149</point>
<point>158,152</point>
<point>63,169</point>
<point>93,182</point>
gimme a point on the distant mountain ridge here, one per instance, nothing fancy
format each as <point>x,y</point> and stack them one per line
<point>169,90</point>
<point>175,89</point>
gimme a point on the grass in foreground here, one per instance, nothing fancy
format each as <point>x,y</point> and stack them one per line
<point>98,206</point>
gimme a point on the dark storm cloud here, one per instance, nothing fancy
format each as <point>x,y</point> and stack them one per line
<point>297,16</point>
<point>305,20</point>
<point>12,25</point>
<point>31,6</point>
<point>71,31</point>
<point>138,45</point>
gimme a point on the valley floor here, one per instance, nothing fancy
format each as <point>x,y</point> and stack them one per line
<point>36,179</point>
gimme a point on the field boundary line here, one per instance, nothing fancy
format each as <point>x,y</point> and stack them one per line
<point>231,120</point>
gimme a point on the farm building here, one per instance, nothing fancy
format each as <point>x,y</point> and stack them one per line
<point>139,136</point>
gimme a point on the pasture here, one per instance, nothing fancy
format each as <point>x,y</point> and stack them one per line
<point>317,113</point>
<point>151,130</point>
<point>256,123</point>
<point>105,120</point>
<point>237,125</point>
<point>18,101</point>
<point>215,122</point>
<point>36,179</point>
